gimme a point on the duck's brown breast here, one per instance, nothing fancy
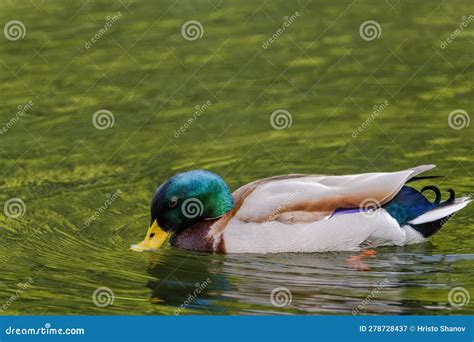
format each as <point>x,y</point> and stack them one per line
<point>197,238</point>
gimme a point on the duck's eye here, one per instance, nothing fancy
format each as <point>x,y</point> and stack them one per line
<point>173,202</point>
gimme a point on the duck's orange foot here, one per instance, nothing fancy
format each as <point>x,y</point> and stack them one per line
<point>368,253</point>
<point>356,262</point>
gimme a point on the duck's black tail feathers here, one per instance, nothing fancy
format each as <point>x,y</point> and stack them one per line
<point>429,228</point>
<point>418,178</point>
<point>432,221</point>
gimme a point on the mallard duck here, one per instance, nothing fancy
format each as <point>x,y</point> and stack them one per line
<point>296,213</point>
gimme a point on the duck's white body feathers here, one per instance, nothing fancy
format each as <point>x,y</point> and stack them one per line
<point>340,233</point>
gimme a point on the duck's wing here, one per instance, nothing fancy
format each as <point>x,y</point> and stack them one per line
<point>307,198</point>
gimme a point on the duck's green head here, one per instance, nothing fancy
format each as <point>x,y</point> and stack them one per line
<point>183,200</point>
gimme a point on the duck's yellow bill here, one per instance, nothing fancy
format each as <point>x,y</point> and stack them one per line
<point>155,237</point>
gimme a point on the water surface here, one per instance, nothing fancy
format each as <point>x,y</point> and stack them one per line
<point>151,79</point>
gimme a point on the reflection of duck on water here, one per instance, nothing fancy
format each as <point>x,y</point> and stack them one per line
<point>322,283</point>
<point>300,283</point>
<point>296,213</point>
<point>185,281</point>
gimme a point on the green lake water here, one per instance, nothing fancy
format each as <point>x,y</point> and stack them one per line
<point>85,191</point>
